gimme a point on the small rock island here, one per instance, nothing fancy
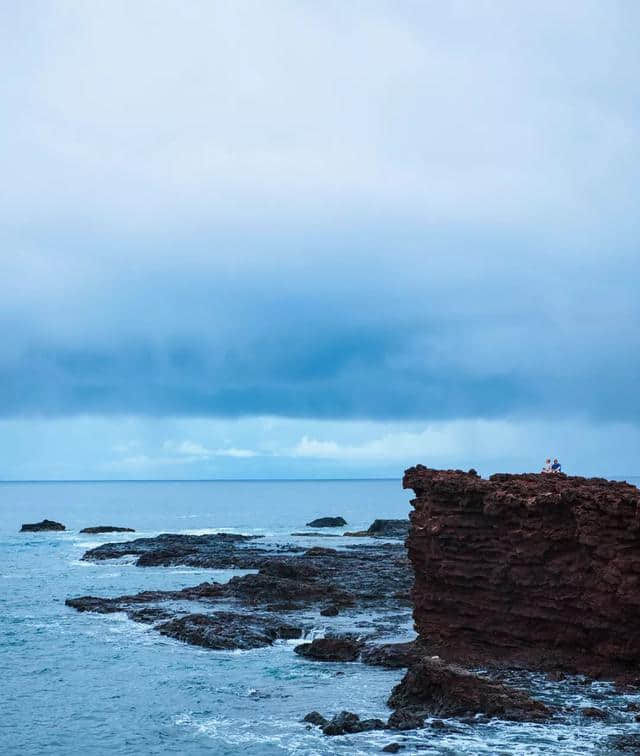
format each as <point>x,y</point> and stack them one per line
<point>44,525</point>
<point>327,522</point>
<point>107,529</point>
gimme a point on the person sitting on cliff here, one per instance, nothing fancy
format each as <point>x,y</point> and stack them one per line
<point>547,467</point>
<point>556,467</point>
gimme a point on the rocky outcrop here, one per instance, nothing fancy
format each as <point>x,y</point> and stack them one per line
<point>288,579</point>
<point>383,529</point>
<point>432,687</point>
<point>348,723</point>
<point>107,529</point>
<point>535,570</point>
<point>36,527</point>
<point>332,648</point>
<point>217,550</point>
<point>229,630</point>
<point>327,522</point>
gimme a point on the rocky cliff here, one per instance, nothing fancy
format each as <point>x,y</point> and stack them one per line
<point>534,570</point>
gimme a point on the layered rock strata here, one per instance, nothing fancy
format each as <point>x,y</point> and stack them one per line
<point>536,570</point>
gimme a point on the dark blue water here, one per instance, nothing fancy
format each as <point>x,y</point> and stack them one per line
<point>100,684</point>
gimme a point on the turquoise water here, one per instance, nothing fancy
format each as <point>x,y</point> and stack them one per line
<point>101,684</point>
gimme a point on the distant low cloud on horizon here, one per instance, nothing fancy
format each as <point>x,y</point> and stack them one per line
<point>337,234</point>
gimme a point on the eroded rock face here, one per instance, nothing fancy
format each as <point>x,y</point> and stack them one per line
<point>36,527</point>
<point>538,570</point>
<point>432,687</point>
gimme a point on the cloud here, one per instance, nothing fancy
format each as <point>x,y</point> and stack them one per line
<point>195,451</point>
<point>342,212</point>
<point>257,447</point>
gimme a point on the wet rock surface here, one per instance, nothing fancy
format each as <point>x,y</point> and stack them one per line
<point>288,579</point>
<point>107,529</point>
<point>44,525</point>
<point>315,718</point>
<point>433,687</point>
<point>346,723</point>
<point>217,550</point>
<point>229,630</point>
<point>327,522</point>
<point>538,571</point>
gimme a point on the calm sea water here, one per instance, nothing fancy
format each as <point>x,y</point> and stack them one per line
<point>98,684</point>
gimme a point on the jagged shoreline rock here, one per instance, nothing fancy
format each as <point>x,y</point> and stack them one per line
<point>228,630</point>
<point>43,526</point>
<point>287,579</point>
<point>432,687</point>
<point>538,571</point>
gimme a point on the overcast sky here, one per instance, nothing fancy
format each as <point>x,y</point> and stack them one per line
<point>323,239</point>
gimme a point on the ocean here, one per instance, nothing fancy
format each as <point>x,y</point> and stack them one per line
<point>96,684</point>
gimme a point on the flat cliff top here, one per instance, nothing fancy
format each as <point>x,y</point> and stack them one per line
<point>526,490</point>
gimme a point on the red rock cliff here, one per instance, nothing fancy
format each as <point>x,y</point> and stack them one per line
<point>540,570</point>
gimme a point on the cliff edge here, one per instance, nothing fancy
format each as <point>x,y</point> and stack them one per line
<point>541,571</point>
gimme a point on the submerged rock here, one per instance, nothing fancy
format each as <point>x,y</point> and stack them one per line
<point>384,529</point>
<point>333,648</point>
<point>623,744</point>
<point>327,522</point>
<point>541,571</point>
<point>35,527</point>
<point>593,713</point>
<point>228,630</point>
<point>107,529</point>
<point>432,687</point>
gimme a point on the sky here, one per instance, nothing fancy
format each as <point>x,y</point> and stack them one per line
<point>318,239</point>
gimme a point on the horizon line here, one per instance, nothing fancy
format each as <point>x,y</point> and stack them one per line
<point>244,480</point>
<point>186,480</point>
